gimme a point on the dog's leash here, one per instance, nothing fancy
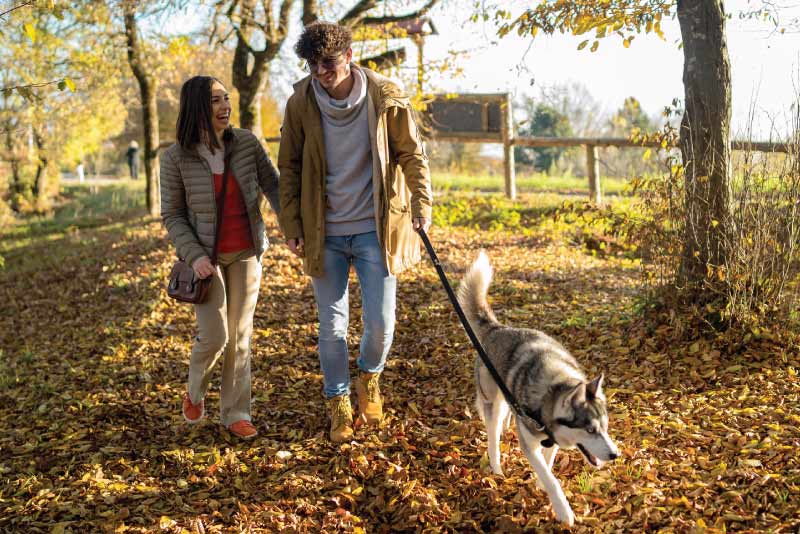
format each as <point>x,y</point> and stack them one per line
<point>510,399</point>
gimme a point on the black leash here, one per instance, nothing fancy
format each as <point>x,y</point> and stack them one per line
<point>510,399</point>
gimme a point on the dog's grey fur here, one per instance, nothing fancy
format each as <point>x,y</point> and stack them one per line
<point>543,377</point>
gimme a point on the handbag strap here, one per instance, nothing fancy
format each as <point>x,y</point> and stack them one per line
<point>520,411</point>
<point>221,207</point>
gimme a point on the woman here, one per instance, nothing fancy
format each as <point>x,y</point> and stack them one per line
<point>191,180</point>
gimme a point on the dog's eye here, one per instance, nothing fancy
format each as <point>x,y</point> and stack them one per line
<point>590,430</point>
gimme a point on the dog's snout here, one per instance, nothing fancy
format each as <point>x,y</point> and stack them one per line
<point>613,455</point>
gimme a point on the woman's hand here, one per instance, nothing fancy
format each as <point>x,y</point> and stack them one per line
<point>203,268</point>
<point>296,246</point>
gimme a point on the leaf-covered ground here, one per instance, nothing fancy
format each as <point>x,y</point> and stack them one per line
<point>94,361</point>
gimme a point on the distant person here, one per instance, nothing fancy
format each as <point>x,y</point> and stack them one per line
<point>79,172</point>
<point>355,185</point>
<point>188,207</point>
<point>133,159</point>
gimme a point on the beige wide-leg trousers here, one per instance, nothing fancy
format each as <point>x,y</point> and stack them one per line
<point>224,327</point>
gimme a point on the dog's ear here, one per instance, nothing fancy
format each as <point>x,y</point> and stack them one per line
<point>594,389</point>
<point>578,395</point>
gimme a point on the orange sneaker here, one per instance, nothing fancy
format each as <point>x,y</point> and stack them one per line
<point>243,429</point>
<point>193,413</point>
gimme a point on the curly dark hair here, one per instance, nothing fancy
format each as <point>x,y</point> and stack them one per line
<point>321,40</point>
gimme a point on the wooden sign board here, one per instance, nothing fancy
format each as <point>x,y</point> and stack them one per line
<point>467,116</point>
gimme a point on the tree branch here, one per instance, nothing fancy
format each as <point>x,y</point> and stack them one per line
<point>243,40</point>
<point>268,27</point>
<point>23,4</point>
<point>231,8</point>
<point>31,85</point>
<point>283,19</point>
<point>357,13</point>
<point>377,21</point>
<point>310,12</point>
<point>385,60</point>
<point>133,46</point>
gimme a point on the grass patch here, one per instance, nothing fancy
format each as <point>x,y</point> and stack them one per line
<point>525,182</point>
<point>493,212</point>
<point>82,206</point>
<point>77,207</point>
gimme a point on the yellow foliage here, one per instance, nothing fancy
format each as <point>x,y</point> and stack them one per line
<point>270,116</point>
<point>657,29</point>
<point>30,31</point>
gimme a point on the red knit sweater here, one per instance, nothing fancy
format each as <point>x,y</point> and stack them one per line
<point>235,234</point>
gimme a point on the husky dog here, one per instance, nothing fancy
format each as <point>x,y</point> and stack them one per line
<point>546,381</point>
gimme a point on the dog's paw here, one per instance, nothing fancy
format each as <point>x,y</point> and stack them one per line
<point>497,470</point>
<point>564,514</point>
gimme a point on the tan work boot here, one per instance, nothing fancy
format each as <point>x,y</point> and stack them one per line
<point>370,404</point>
<point>341,418</point>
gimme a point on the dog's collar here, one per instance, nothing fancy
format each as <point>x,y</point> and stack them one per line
<point>536,417</point>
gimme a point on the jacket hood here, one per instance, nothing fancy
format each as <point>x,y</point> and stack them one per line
<point>383,90</point>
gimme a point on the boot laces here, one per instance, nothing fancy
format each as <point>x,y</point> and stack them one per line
<point>342,412</point>
<point>373,390</point>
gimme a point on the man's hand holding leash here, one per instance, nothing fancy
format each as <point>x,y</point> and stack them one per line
<point>421,222</point>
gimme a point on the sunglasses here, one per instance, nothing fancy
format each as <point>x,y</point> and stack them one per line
<point>327,64</point>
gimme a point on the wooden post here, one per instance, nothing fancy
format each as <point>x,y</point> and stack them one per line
<point>420,42</point>
<point>593,172</point>
<point>508,149</point>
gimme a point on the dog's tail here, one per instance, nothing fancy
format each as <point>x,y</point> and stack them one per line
<point>472,294</point>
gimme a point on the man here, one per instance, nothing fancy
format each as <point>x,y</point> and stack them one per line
<point>354,187</point>
<point>132,154</point>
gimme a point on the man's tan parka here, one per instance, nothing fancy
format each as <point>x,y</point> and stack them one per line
<point>401,178</point>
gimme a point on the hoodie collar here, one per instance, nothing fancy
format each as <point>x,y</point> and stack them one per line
<point>382,90</point>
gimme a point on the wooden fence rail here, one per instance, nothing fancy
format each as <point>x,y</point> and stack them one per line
<point>592,159</point>
<point>592,156</point>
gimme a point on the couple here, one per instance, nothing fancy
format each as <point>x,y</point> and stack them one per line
<point>354,186</point>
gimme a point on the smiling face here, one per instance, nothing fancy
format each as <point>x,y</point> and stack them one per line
<point>332,72</point>
<point>220,107</point>
<point>327,50</point>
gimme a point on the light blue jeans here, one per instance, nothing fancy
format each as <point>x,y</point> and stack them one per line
<point>378,292</point>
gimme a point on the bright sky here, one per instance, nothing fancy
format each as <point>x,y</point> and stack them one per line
<point>765,65</point>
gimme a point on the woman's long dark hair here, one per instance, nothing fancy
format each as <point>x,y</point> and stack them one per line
<point>194,118</point>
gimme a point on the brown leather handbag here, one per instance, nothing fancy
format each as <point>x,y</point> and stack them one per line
<point>184,286</point>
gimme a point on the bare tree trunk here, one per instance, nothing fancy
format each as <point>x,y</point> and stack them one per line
<point>705,137</point>
<point>151,147</point>
<point>251,88</point>
<point>251,80</point>
<point>148,88</point>
<point>15,187</point>
<point>41,167</point>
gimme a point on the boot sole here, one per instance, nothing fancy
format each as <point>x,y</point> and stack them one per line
<point>364,420</point>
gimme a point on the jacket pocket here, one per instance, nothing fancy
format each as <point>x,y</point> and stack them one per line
<point>402,242</point>
<point>399,197</point>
